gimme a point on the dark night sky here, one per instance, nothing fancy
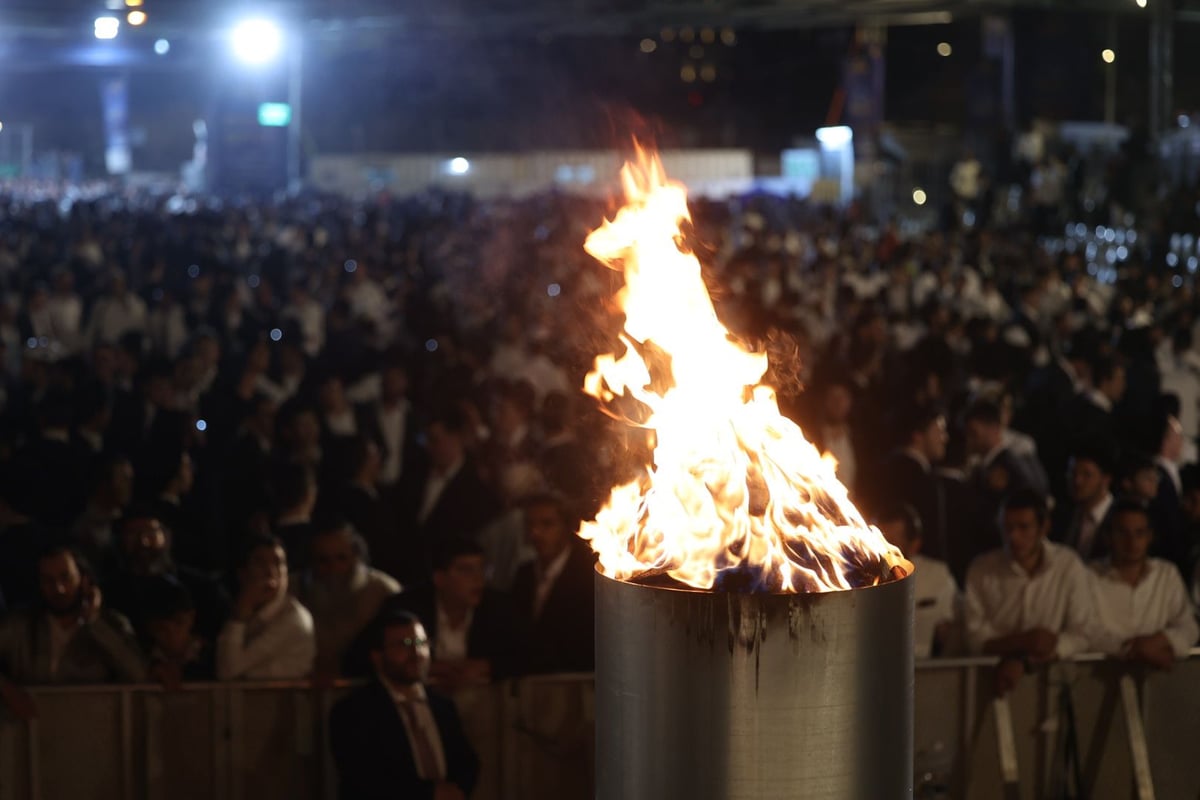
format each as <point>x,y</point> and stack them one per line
<point>491,94</point>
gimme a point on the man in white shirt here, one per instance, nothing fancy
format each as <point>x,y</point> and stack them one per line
<point>1141,601</point>
<point>937,617</point>
<point>117,313</point>
<point>342,593</point>
<point>1029,602</point>
<point>271,634</point>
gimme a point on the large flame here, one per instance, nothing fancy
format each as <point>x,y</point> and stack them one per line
<point>736,495</point>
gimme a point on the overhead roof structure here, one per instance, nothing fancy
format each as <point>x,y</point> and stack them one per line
<point>72,18</point>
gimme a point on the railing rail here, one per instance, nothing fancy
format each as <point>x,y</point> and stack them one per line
<point>1134,731</point>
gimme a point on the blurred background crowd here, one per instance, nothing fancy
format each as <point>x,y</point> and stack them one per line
<point>230,436</point>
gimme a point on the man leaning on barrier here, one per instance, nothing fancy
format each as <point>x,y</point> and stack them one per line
<point>70,637</point>
<point>1141,601</point>
<point>1029,602</point>
<point>394,738</point>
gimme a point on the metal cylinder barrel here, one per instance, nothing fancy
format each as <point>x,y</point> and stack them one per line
<point>738,696</point>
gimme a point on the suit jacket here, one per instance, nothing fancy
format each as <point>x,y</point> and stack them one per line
<point>296,538</point>
<point>1167,517</point>
<point>49,479</point>
<point>901,479</point>
<point>371,516</point>
<point>1008,472</point>
<point>464,507</point>
<point>1065,525</point>
<point>1086,423</point>
<point>562,638</point>
<point>369,424</point>
<point>373,755</point>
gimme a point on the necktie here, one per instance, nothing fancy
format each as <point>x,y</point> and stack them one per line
<point>1087,536</point>
<point>427,763</point>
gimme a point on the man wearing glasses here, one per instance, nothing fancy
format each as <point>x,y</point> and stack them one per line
<point>393,738</point>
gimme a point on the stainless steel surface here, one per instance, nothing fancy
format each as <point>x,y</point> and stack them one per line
<point>727,696</point>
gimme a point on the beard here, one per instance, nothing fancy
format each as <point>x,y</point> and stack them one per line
<point>66,607</point>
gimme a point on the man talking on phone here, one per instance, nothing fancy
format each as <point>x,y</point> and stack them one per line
<point>70,637</point>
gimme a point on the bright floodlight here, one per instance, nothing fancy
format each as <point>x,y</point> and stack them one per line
<point>1108,55</point>
<point>257,41</point>
<point>106,27</point>
<point>919,196</point>
<point>459,166</point>
<point>835,136</point>
<point>162,47</point>
<point>136,17</point>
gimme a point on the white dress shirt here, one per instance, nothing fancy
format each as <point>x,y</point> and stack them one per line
<point>276,643</point>
<point>936,600</point>
<point>1172,470</point>
<point>546,579</point>
<point>1002,599</point>
<point>435,484</point>
<point>451,644</point>
<point>393,425</point>
<point>1089,526</point>
<point>1159,603</point>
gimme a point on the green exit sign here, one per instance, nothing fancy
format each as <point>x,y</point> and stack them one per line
<point>274,115</point>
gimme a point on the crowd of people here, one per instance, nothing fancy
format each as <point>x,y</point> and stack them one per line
<point>232,435</point>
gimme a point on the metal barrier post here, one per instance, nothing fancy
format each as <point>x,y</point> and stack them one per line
<point>126,733</point>
<point>1006,741</point>
<point>1137,739</point>
<point>969,712</point>
<point>35,760</point>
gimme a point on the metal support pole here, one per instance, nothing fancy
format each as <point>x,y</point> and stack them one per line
<point>1139,751</point>
<point>1110,76</point>
<point>1008,80</point>
<point>1162,80</point>
<point>1006,741</point>
<point>295,98</point>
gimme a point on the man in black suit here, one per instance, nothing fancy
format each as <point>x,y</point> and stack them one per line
<point>448,498</point>
<point>1050,390</point>
<point>1088,417</point>
<point>474,635</point>
<point>389,421</point>
<point>1166,510</point>
<point>49,471</point>
<point>393,738</point>
<point>1081,524</point>
<point>907,475</point>
<point>295,490</point>
<point>997,469</point>
<point>358,501</point>
<point>553,594</point>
